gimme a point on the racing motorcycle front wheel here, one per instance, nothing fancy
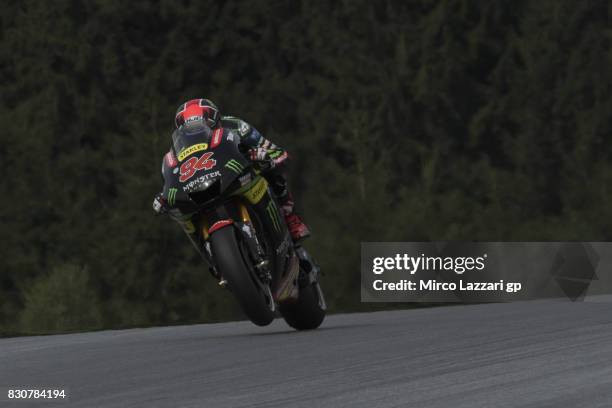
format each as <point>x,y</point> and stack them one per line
<point>233,263</point>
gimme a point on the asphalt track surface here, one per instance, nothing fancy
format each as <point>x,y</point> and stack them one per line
<point>528,354</point>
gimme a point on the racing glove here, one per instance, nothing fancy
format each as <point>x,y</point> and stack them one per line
<point>160,205</point>
<point>270,158</point>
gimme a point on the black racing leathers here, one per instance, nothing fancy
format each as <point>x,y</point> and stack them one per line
<point>257,147</point>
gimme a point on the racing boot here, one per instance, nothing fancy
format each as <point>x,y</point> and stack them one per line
<point>297,229</point>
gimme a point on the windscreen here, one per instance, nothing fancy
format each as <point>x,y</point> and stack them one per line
<point>190,134</point>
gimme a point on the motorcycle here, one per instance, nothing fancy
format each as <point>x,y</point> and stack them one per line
<point>231,215</point>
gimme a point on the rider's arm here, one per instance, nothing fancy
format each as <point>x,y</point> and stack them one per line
<point>250,138</point>
<point>254,144</point>
<point>161,203</point>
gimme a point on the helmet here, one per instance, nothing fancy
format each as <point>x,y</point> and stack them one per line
<point>197,109</point>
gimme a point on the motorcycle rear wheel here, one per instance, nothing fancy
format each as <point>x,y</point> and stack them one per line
<point>306,313</point>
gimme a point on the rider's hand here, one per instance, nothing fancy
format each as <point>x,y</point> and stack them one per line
<point>272,158</point>
<point>160,206</point>
<point>258,154</point>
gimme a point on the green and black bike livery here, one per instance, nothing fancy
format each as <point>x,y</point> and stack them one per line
<point>228,210</point>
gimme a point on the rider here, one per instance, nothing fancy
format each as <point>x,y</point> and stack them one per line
<point>256,148</point>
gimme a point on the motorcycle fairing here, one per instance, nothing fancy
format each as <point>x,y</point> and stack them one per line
<point>229,165</point>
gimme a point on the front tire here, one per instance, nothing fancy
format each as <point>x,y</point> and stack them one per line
<point>232,265</point>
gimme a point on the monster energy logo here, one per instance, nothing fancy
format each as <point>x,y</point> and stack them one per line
<point>171,196</point>
<point>235,166</point>
<point>273,214</point>
<point>275,154</point>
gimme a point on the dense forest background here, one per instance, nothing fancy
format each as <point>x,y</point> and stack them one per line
<point>406,120</point>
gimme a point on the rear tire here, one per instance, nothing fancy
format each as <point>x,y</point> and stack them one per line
<point>232,267</point>
<point>305,313</point>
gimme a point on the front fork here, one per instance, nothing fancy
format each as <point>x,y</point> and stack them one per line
<point>253,245</point>
<point>245,226</point>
